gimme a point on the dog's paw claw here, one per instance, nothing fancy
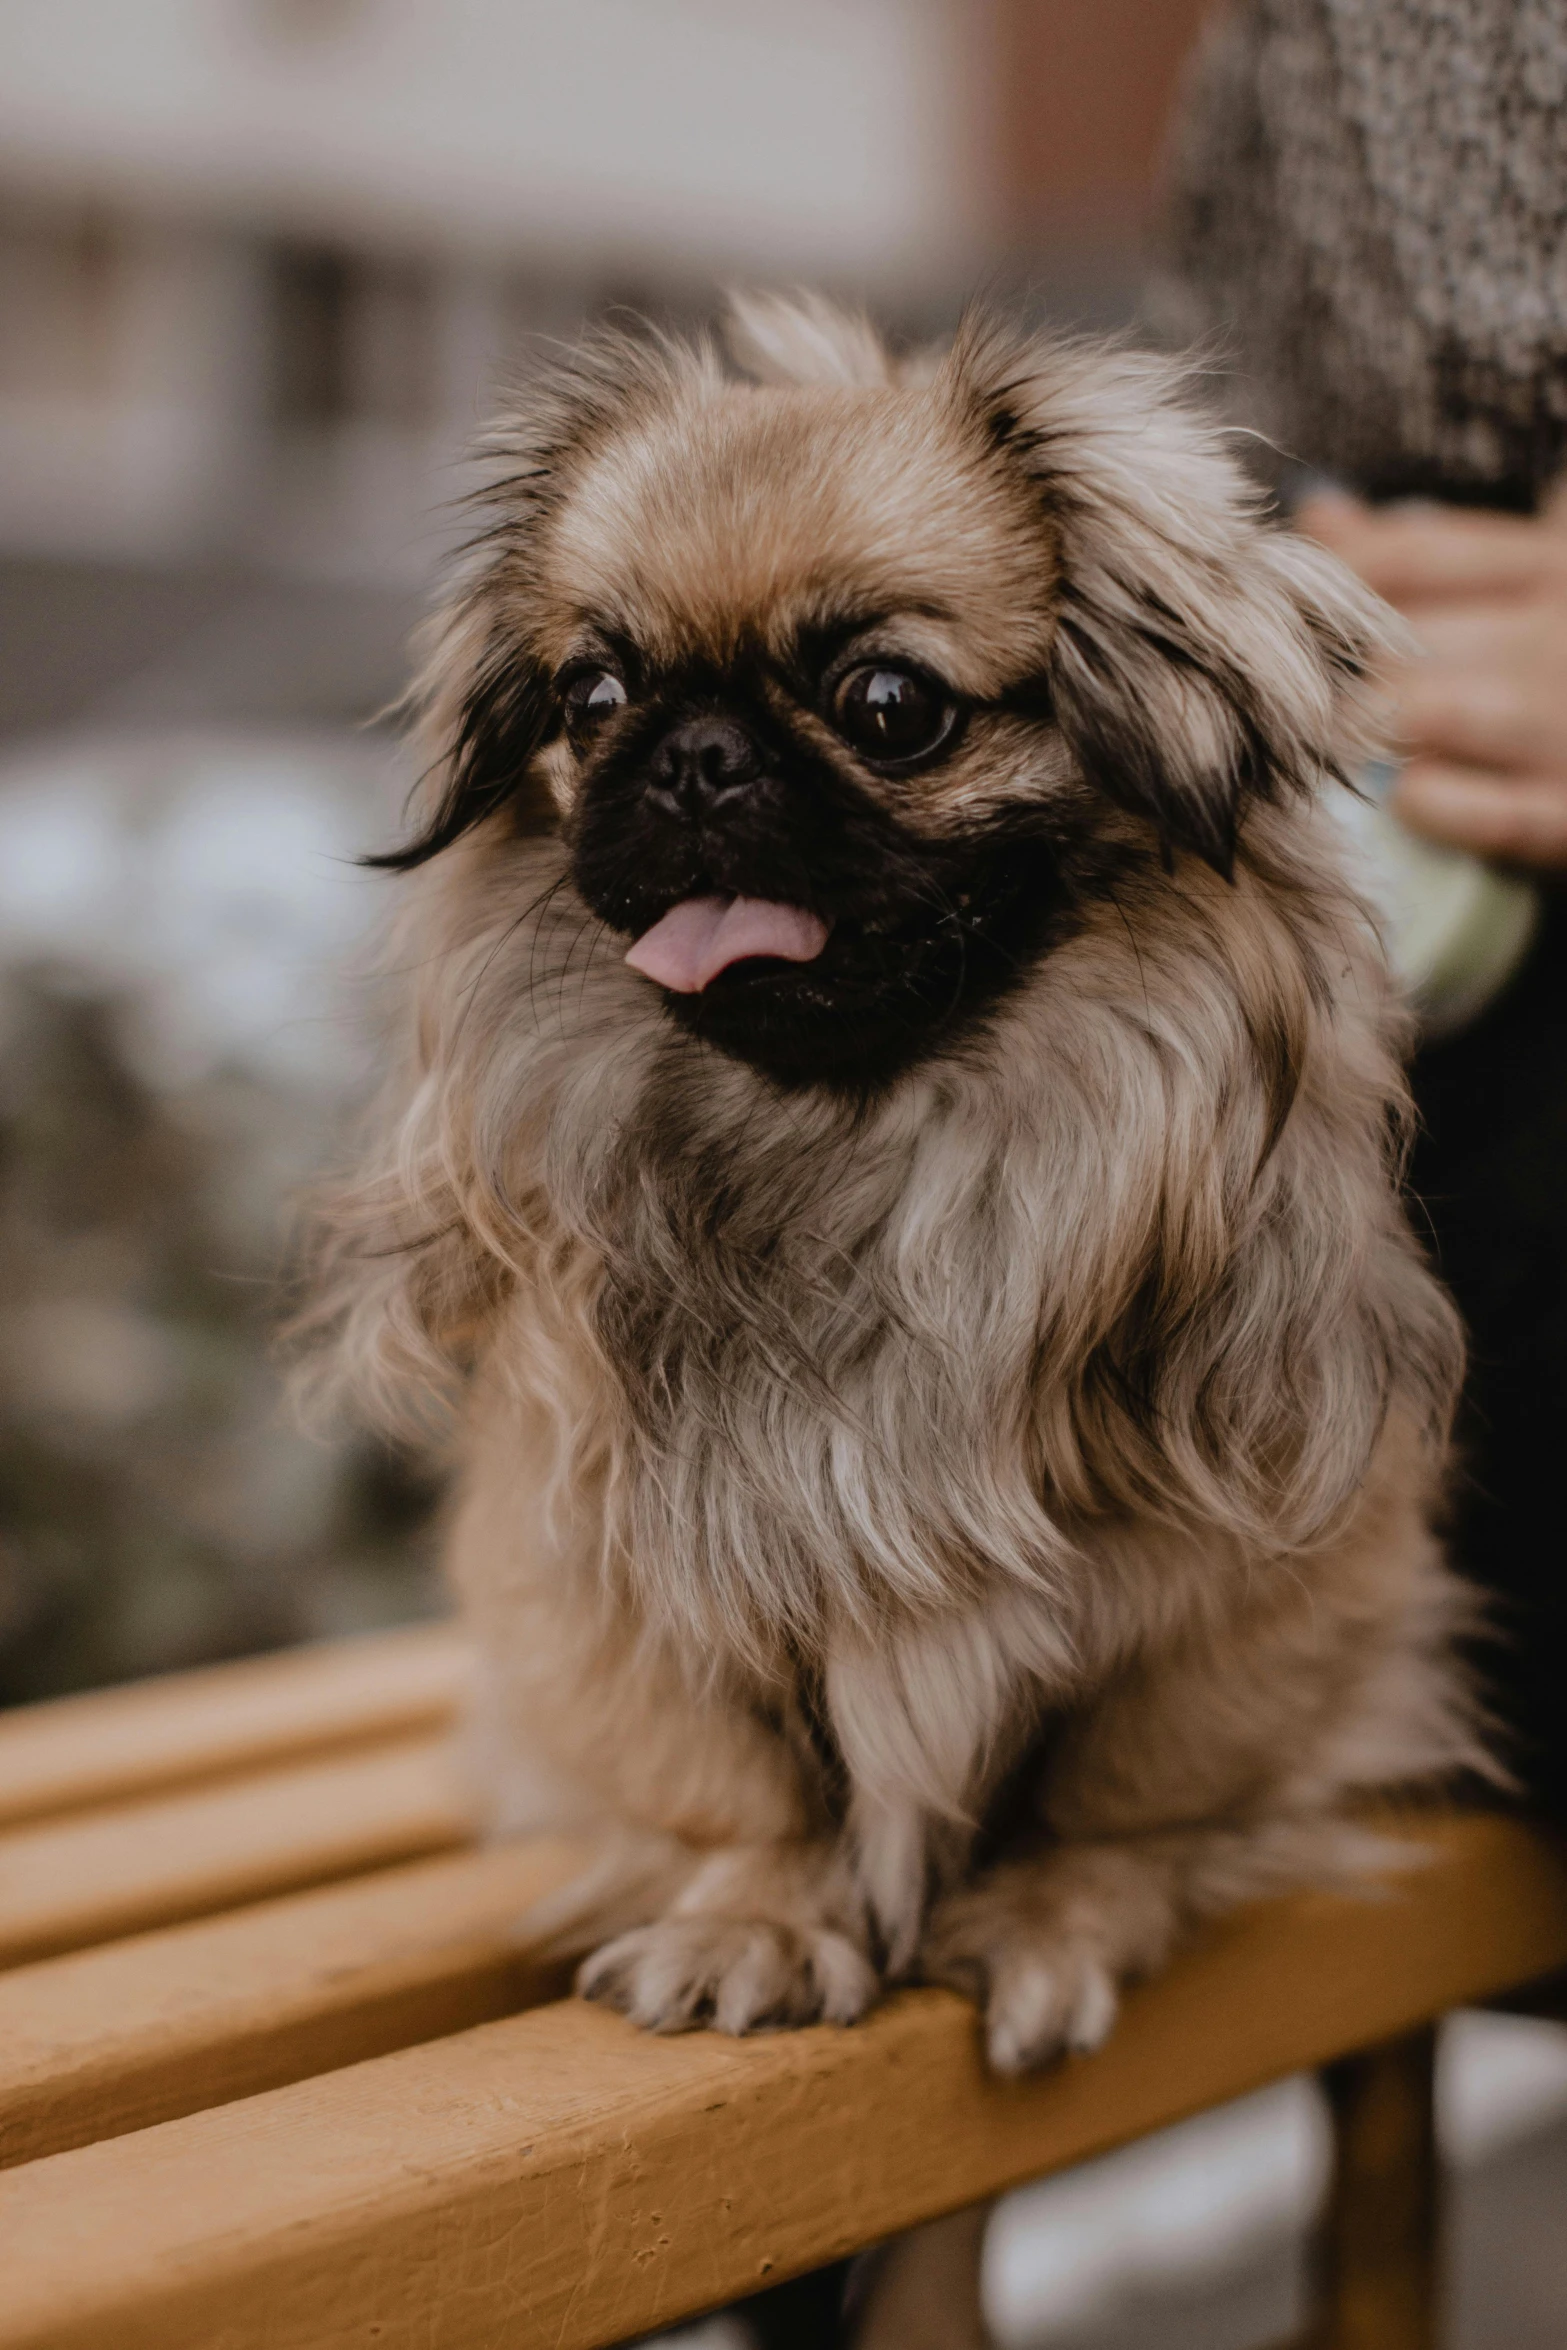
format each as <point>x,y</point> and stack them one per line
<point>1040,2005</point>
<point>736,1975</point>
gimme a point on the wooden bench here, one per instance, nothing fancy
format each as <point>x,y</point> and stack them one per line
<point>274,2074</point>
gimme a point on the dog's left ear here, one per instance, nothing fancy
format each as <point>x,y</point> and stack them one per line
<point>1203,656</point>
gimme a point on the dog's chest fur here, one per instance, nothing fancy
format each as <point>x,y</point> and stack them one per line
<point>840,1341</point>
<point>819,1327</point>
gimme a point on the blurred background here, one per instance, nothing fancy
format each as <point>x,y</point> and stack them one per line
<point>264,266</point>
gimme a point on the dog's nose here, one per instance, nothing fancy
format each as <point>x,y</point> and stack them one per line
<point>702,762</point>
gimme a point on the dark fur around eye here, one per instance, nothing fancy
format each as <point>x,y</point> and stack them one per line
<point>510,713</point>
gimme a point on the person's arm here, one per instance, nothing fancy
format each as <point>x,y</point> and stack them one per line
<point>1482,716</point>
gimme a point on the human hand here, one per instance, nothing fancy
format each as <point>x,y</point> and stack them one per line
<point>1482,714</point>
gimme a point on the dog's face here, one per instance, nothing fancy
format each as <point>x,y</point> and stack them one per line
<point>853,695</point>
<point>795,641</point>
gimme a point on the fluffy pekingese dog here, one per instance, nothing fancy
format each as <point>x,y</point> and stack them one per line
<point>950,1406</point>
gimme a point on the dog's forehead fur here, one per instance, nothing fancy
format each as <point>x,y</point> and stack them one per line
<point>739,515</point>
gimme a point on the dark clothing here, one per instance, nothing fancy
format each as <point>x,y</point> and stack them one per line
<point>1490,1179</point>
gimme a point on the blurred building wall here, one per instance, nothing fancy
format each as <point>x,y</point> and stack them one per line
<point>817,136</point>
<point>260,257</point>
<point>262,261</point>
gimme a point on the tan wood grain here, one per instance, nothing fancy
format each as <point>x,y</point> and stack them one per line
<point>559,2178</point>
<point>97,1874</point>
<point>123,1743</point>
<point>166,2023</point>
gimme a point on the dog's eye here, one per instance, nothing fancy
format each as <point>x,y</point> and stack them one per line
<point>890,715</point>
<point>589,698</point>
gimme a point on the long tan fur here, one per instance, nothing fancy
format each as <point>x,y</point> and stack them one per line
<point>978,1525</point>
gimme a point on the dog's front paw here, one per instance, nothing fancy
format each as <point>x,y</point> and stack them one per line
<point>1045,1946</point>
<point>1043,1994</point>
<point>738,1975</point>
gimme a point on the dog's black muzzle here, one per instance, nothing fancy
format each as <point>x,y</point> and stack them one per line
<point>922,934</point>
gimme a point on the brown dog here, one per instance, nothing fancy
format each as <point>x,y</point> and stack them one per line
<point>949,1404</point>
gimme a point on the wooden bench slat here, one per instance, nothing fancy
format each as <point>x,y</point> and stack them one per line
<point>113,2039</point>
<point>561,2178</point>
<point>123,1743</point>
<point>98,1874</point>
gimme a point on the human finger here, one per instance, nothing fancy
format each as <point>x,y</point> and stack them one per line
<point>1480,717</point>
<point>1482,635</point>
<point>1511,820</point>
<point>1491,692</point>
<point>1410,554</point>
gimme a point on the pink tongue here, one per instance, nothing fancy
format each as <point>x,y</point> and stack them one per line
<point>702,936</point>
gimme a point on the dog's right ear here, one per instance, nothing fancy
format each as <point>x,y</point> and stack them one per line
<point>483,704</point>
<point>491,713</point>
